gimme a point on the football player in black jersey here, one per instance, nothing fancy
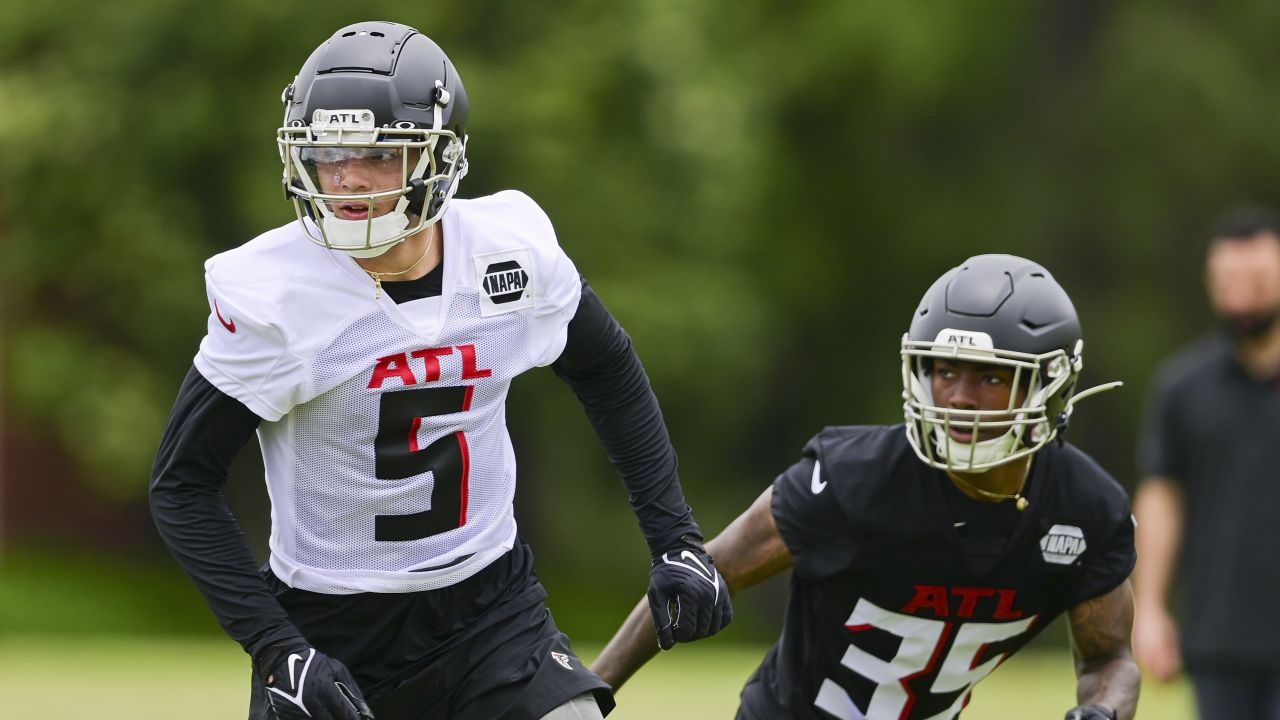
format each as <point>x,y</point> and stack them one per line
<point>923,555</point>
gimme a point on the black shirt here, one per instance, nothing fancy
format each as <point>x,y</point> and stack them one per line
<point>1214,429</point>
<point>891,611</point>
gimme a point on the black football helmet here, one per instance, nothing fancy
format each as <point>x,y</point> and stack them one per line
<point>998,310</point>
<point>384,93</point>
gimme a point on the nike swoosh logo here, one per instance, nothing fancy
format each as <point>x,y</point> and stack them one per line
<point>295,679</point>
<point>294,659</point>
<point>817,485</point>
<point>230,325</point>
<point>693,564</point>
<point>686,555</point>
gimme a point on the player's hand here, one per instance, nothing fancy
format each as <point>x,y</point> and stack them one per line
<point>687,596</point>
<point>1090,712</point>
<point>305,684</point>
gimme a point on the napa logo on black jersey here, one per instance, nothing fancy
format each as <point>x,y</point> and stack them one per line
<point>504,281</point>
<point>1063,544</point>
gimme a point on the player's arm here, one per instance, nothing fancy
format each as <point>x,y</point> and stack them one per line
<point>1159,508</point>
<point>747,552</point>
<point>1107,678</point>
<point>206,430</point>
<point>603,370</point>
<point>600,365</point>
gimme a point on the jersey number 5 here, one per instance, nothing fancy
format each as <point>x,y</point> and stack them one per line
<point>398,456</point>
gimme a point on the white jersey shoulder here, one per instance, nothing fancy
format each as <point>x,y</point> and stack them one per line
<point>278,299</point>
<point>273,302</point>
<point>511,259</point>
<point>511,246</point>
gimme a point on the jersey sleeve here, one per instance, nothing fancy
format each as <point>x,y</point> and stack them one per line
<point>1106,569</point>
<point>810,517</point>
<point>206,430</point>
<point>246,355</point>
<point>603,370</point>
<point>558,287</point>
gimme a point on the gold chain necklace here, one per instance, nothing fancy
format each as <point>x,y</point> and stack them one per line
<point>377,276</point>
<point>1020,501</point>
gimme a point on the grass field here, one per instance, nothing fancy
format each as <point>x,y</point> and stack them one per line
<point>207,679</point>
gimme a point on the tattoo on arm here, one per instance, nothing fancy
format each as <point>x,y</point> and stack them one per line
<point>1106,673</point>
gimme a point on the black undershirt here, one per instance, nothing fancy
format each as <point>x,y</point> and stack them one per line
<point>429,285</point>
<point>984,527</point>
<point>207,428</point>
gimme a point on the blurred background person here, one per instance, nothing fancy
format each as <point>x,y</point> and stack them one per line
<point>1207,503</point>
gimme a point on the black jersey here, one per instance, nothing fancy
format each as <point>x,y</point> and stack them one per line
<point>901,598</point>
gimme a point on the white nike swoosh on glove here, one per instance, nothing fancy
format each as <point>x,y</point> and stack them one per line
<point>708,575</point>
<point>294,659</point>
<point>296,698</point>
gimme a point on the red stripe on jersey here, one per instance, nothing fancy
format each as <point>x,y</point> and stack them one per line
<point>413,434</point>
<point>977,656</point>
<point>943,640</point>
<point>466,456</point>
<point>466,467</point>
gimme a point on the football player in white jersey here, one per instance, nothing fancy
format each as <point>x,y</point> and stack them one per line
<point>370,344</point>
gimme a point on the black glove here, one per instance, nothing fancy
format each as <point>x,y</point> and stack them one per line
<point>688,598</point>
<point>1090,712</point>
<point>305,684</point>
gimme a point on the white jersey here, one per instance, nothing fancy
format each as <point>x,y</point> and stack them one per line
<point>387,456</point>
